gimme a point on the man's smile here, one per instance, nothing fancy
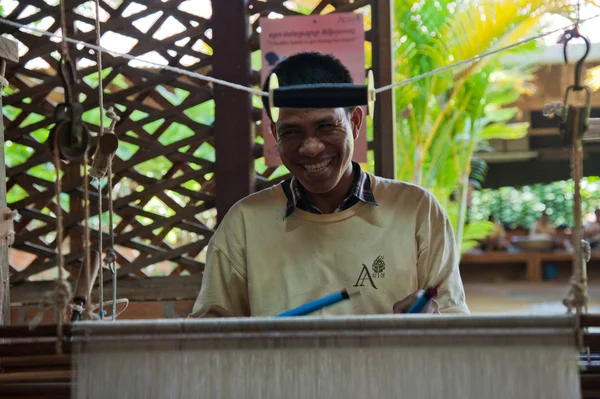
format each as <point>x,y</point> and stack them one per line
<point>317,167</point>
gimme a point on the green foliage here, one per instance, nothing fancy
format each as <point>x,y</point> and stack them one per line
<point>521,207</point>
<point>474,231</point>
<point>445,118</point>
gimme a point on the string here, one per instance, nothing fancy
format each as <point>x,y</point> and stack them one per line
<point>86,198</point>
<point>477,57</point>
<point>262,93</point>
<point>101,100</point>
<point>134,58</point>
<point>59,226</point>
<point>110,255</point>
<point>62,292</point>
<point>63,27</point>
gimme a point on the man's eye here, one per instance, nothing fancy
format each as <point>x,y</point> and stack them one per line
<point>288,132</point>
<point>327,126</point>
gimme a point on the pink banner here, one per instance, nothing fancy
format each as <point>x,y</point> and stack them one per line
<point>341,35</point>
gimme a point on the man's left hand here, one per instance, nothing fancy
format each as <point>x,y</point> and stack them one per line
<point>403,305</point>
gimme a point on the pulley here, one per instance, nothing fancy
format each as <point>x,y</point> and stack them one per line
<point>70,133</point>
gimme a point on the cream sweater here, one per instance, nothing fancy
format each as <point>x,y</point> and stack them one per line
<point>260,264</point>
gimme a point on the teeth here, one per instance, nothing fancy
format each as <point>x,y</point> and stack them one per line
<point>317,167</point>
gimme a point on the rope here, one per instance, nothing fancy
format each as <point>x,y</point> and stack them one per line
<point>63,28</point>
<point>101,100</point>
<point>86,196</point>
<point>262,93</point>
<point>477,57</point>
<point>61,296</point>
<point>133,58</point>
<point>5,279</point>
<point>111,256</point>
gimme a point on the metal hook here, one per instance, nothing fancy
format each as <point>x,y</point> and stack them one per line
<point>572,34</point>
<point>68,76</point>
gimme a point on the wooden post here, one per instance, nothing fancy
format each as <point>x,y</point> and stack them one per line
<point>8,52</point>
<point>384,135</point>
<point>234,165</point>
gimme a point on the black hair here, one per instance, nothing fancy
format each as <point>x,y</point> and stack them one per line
<point>307,68</point>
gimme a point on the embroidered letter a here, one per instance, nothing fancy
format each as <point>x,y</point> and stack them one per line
<point>364,274</point>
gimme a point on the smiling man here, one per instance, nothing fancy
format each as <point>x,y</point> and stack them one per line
<point>330,226</point>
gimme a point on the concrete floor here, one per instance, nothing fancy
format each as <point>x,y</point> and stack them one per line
<point>524,298</point>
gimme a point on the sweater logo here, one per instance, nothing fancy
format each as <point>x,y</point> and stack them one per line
<point>378,268</point>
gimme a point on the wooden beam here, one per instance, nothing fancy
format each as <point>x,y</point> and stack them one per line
<point>384,124</point>
<point>518,174</point>
<point>172,288</point>
<point>8,52</point>
<point>234,165</point>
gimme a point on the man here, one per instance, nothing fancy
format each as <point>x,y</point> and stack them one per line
<point>592,231</point>
<point>331,226</point>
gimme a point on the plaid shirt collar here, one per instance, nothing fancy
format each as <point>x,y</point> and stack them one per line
<point>359,191</point>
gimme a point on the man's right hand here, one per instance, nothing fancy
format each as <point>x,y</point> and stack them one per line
<point>403,305</point>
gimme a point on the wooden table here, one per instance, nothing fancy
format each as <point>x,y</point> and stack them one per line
<point>533,261</point>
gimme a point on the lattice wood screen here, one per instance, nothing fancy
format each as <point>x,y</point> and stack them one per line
<point>164,169</point>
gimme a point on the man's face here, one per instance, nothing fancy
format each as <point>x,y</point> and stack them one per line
<point>317,145</point>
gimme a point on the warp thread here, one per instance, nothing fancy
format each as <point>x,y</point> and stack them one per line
<point>292,370</point>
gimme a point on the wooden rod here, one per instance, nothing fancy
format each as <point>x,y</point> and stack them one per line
<point>312,324</point>
<point>30,349</point>
<point>40,331</point>
<point>41,390</point>
<point>35,361</point>
<point>591,381</point>
<point>592,340</point>
<point>590,320</point>
<point>33,376</point>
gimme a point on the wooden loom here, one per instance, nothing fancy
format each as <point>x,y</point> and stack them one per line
<point>341,357</point>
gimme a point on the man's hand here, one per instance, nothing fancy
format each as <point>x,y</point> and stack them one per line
<point>403,305</point>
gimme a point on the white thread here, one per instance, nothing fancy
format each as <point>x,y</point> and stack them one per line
<point>114,303</point>
<point>476,58</point>
<point>263,93</point>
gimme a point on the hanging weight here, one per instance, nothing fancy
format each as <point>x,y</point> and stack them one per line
<point>575,124</point>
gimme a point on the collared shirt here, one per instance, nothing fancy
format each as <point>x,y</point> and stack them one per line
<point>360,190</point>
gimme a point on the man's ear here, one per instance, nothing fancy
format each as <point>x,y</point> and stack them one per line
<point>357,115</point>
<point>274,130</point>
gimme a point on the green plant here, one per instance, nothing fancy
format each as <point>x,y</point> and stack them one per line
<point>521,207</point>
<point>445,118</point>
